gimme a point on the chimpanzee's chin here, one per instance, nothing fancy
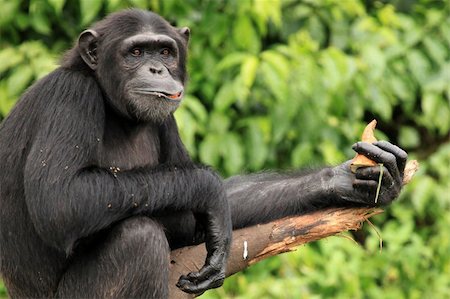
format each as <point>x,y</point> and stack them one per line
<point>152,109</point>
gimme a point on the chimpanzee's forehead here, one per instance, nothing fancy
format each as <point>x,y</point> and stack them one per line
<point>147,39</point>
<point>157,29</point>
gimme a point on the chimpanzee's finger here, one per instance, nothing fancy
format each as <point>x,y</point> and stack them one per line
<point>193,285</point>
<point>365,185</point>
<point>380,156</point>
<point>401,155</point>
<point>368,173</point>
<point>373,173</point>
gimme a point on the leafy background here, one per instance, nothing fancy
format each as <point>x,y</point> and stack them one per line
<point>288,84</point>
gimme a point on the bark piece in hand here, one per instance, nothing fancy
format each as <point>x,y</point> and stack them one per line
<point>367,136</point>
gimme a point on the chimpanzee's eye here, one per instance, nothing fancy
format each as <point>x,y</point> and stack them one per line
<point>165,52</point>
<point>136,52</point>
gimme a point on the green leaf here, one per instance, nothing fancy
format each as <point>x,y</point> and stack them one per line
<point>439,82</point>
<point>6,101</point>
<point>442,119</point>
<point>278,62</point>
<point>57,5</point>
<point>440,160</point>
<point>143,4</point>
<point>274,83</point>
<point>248,70</point>
<point>225,97</point>
<point>302,155</point>
<point>19,80</point>
<point>436,50</point>
<point>22,21</point>
<point>40,23</point>
<point>257,149</point>
<point>210,149</point>
<point>436,112</point>
<point>43,65</point>
<point>387,15</point>
<point>430,105</point>
<point>114,5</point>
<point>89,10</point>
<point>423,193</point>
<point>196,107</point>
<point>409,137</point>
<point>265,10</point>
<point>9,58</point>
<point>8,12</point>
<point>233,153</point>
<point>418,65</point>
<point>330,153</point>
<point>218,122</point>
<point>445,31</point>
<point>187,126</point>
<point>399,87</point>
<point>336,68</point>
<point>380,102</point>
<point>281,122</point>
<point>245,36</point>
<point>375,61</point>
<point>231,60</point>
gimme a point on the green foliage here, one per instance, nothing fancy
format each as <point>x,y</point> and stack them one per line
<point>288,84</point>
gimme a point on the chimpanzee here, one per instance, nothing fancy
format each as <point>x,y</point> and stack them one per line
<point>96,186</point>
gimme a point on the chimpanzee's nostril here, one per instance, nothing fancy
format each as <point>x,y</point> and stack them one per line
<point>155,70</point>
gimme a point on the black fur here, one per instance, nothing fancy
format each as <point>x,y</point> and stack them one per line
<point>93,194</point>
<point>76,168</point>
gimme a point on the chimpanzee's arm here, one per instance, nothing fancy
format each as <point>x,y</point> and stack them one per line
<point>69,197</point>
<point>260,198</point>
<point>263,197</point>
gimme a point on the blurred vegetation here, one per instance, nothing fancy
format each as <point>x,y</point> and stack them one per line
<point>288,84</point>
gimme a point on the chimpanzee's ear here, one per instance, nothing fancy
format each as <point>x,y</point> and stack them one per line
<point>185,32</point>
<point>87,45</point>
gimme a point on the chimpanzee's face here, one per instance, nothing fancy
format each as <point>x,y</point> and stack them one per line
<point>142,74</point>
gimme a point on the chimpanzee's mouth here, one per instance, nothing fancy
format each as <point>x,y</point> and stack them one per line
<point>161,94</point>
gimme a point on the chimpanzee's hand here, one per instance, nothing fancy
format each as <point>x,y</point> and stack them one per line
<point>361,187</point>
<point>216,220</point>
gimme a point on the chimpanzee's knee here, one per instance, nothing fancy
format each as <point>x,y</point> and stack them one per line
<point>141,235</point>
<point>132,261</point>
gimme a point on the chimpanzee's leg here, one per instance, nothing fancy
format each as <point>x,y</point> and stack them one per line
<point>130,261</point>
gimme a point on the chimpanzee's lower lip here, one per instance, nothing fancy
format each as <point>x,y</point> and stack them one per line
<point>162,94</point>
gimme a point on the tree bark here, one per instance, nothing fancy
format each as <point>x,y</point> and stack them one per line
<point>253,244</point>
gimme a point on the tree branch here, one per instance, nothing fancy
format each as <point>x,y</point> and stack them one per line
<point>253,244</point>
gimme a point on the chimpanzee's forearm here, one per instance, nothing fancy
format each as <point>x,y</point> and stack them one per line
<point>260,198</point>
